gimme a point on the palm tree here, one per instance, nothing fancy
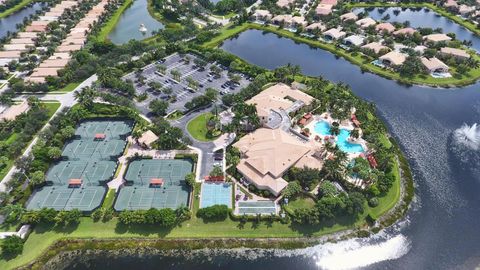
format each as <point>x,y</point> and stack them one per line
<point>85,96</point>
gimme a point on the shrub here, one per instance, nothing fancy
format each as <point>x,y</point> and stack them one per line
<point>12,245</point>
<point>373,202</point>
<point>214,212</point>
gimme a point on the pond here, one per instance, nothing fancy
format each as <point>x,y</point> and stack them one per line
<point>423,17</point>
<point>441,229</point>
<point>9,23</point>
<point>128,27</point>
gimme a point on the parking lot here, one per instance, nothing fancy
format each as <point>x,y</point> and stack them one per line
<point>181,92</point>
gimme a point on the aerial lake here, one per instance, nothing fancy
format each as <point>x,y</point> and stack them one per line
<point>128,26</point>
<point>440,230</point>
<point>423,17</point>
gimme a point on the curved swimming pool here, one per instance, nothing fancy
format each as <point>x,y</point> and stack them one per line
<point>323,128</point>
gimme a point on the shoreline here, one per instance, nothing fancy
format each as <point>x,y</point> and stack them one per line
<point>79,245</point>
<point>16,8</point>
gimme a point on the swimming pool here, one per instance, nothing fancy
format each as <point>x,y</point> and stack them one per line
<point>213,193</point>
<point>323,128</point>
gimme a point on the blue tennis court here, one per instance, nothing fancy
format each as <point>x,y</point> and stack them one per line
<point>216,193</point>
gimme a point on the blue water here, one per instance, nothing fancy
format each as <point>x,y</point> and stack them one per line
<point>213,194</point>
<point>323,128</point>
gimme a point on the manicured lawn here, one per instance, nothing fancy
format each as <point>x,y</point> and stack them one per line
<point>108,202</point>
<point>110,24</point>
<point>385,141</point>
<point>197,127</point>
<point>43,236</point>
<point>386,202</point>
<point>225,33</point>
<point>68,88</point>
<point>300,202</point>
<point>15,8</point>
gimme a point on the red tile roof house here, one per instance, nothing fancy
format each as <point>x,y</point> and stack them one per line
<point>323,9</point>
<point>36,28</point>
<point>54,63</point>
<point>404,31</point>
<point>28,41</point>
<point>27,35</point>
<point>385,28</point>
<point>329,2</point>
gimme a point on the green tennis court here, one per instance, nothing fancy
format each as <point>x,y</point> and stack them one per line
<point>141,194</point>
<point>113,129</point>
<point>64,198</point>
<point>88,148</point>
<point>91,172</point>
<point>77,182</point>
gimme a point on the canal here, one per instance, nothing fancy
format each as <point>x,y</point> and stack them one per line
<point>9,23</point>
<point>128,27</point>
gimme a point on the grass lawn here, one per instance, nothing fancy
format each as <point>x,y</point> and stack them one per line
<point>226,16</point>
<point>43,235</point>
<point>108,202</point>
<point>225,33</point>
<point>110,24</point>
<point>385,141</point>
<point>68,88</point>
<point>175,115</point>
<point>300,202</point>
<point>15,8</point>
<point>197,127</point>
<point>388,201</point>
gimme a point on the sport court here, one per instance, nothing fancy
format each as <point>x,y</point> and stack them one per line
<point>216,193</point>
<point>77,183</point>
<point>88,148</point>
<point>154,183</point>
<point>113,129</point>
<point>92,172</point>
<point>257,207</point>
<point>65,198</point>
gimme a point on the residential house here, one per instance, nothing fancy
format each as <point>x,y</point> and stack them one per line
<point>434,65</point>
<point>435,38</point>
<point>334,34</point>
<point>350,16</point>
<point>393,59</point>
<point>385,27</point>
<point>457,53</point>
<point>365,22</point>
<point>354,40</point>
<point>377,47</point>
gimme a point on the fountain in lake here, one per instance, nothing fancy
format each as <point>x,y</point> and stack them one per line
<point>142,28</point>
<point>468,136</point>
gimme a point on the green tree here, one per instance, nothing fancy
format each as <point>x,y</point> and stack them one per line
<point>190,179</point>
<point>158,107</point>
<point>213,213</point>
<point>292,189</point>
<point>12,245</point>
<point>64,218</point>
<point>37,178</point>
<point>216,171</point>
<point>54,153</point>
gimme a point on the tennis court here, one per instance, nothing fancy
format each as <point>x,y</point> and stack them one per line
<point>91,172</point>
<point>154,183</point>
<point>89,148</point>
<point>77,182</point>
<point>257,207</point>
<point>216,193</point>
<point>64,198</point>
<point>113,129</point>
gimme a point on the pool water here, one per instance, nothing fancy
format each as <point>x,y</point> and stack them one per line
<point>323,128</point>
